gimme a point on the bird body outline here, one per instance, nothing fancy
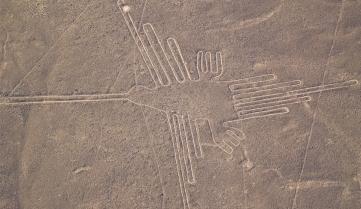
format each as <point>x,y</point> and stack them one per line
<point>191,101</point>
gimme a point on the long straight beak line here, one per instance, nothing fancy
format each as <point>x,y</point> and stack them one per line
<point>53,99</point>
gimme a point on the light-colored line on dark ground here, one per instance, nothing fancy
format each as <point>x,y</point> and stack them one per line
<point>5,44</point>
<point>156,159</point>
<point>244,188</point>
<point>325,72</point>
<point>50,48</point>
<point>133,51</point>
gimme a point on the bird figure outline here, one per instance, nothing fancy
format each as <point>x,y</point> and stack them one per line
<point>202,109</point>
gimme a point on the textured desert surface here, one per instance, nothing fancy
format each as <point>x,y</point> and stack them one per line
<point>180,104</point>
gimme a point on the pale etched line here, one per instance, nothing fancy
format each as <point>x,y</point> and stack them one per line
<point>142,15</point>
<point>245,156</point>
<point>289,94</point>
<point>270,87</point>
<point>281,104</point>
<point>182,65</point>
<point>236,140</point>
<point>213,61</point>
<point>267,103</point>
<point>263,113</point>
<point>150,107</point>
<point>325,87</point>
<point>143,50</point>
<point>139,104</point>
<point>5,45</point>
<point>97,97</point>
<point>238,98</point>
<point>285,95</point>
<point>219,65</point>
<point>186,151</point>
<point>62,98</point>
<point>255,115</point>
<point>208,61</point>
<point>196,143</point>
<point>245,193</point>
<point>180,57</point>
<point>49,50</point>
<point>255,79</point>
<point>298,92</point>
<point>182,61</point>
<point>173,62</point>
<point>139,43</point>
<point>111,87</point>
<point>20,100</point>
<point>225,147</point>
<point>273,103</point>
<point>294,201</point>
<point>200,65</point>
<point>314,184</point>
<point>220,144</point>
<point>180,145</point>
<point>180,154</point>
<point>156,158</point>
<point>135,69</point>
<point>179,171</point>
<point>196,123</point>
<point>231,141</point>
<point>177,72</point>
<point>149,29</point>
<point>60,102</point>
<point>81,169</point>
<point>249,85</point>
<point>238,133</point>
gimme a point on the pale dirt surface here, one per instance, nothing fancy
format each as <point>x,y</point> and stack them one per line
<point>119,154</point>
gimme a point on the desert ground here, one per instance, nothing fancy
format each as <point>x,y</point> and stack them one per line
<point>180,104</point>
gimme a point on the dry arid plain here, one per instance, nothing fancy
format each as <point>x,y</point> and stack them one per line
<point>180,104</point>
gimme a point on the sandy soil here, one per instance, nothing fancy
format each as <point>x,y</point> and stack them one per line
<point>180,104</point>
